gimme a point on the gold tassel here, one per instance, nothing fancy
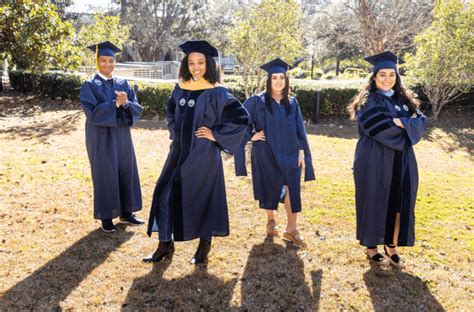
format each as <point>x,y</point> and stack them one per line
<point>97,57</point>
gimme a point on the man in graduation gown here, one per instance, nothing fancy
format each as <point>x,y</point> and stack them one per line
<point>111,108</point>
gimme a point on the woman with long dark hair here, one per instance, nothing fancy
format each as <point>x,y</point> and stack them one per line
<point>204,119</point>
<point>280,150</point>
<point>385,169</point>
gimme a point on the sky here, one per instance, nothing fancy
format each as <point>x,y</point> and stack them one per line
<point>89,6</point>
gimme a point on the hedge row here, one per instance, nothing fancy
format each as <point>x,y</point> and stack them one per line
<point>153,96</point>
<point>51,85</point>
<point>333,101</point>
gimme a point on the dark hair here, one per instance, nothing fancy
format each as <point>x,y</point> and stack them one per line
<point>285,100</point>
<point>399,89</point>
<point>212,75</point>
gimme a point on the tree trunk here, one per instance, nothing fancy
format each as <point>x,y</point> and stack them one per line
<point>434,111</point>
<point>338,62</point>
<point>312,66</point>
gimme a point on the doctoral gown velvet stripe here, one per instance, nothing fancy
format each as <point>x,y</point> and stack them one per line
<point>385,170</point>
<point>189,200</point>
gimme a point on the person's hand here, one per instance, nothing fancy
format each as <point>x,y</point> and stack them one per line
<point>205,133</point>
<point>301,159</point>
<point>121,98</point>
<point>258,136</point>
<point>398,122</point>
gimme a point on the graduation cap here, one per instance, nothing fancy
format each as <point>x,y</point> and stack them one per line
<point>383,60</point>
<point>200,46</point>
<point>276,66</point>
<point>105,48</point>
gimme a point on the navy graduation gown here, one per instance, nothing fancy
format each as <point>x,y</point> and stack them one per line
<point>275,161</point>
<point>189,200</point>
<point>385,170</point>
<point>110,147</point>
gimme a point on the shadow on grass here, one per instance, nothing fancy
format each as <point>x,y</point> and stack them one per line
<point>199,291</point>
<point>274,280</point>
<point>44,129</point>
<point>395,290</point>
<point>332,127</point>
<point>52,283</point>
<point>14,103</point>
<point>458,137</point>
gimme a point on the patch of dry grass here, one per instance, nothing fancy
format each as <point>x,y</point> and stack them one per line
<point>52,255</point>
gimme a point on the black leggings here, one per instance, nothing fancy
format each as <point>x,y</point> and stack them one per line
<point>394,203</point>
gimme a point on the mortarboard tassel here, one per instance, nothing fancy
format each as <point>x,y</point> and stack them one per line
<point>97,57</point>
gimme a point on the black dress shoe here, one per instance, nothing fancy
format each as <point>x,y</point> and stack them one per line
<point>378,258</point>
<point>165,250</point>
<point>108,226</point>
<point>395,259</point>
<point>202,251</point>
<point>131,218</point>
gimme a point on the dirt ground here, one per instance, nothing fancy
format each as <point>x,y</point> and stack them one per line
<point>54,257</point>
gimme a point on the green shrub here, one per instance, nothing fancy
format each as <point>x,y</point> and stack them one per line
<point>333,101</point>
<point>236,89</point>
<point>306,96</point>
<point>22,81</point>
<point>154,97</point>
<point>59,86</point>
<point>15,78</point>
<point>52,85</point>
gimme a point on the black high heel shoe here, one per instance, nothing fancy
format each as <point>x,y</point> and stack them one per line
<point>165,250</point>
<point>202,251</point>
<point>378,258</point>
<point>395,259</point>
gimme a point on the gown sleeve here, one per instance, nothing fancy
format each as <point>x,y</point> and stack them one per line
<point>374,120</point>
<point>239,156</point>
<point>303,144</point>
<point>415,127</point>
<point>232,124</point>
<point>132,110</point>
<point>97,113</point>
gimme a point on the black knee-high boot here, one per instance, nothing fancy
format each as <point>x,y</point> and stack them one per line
<point>165,250</point>
<point>202,251</point>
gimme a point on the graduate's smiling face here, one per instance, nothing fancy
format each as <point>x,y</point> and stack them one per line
<point>197,65</point>
<point>385,79</point>
<point>278,82</point>
<point>106,65</point>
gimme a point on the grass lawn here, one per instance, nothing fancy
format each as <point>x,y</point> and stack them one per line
<point>52,255</point>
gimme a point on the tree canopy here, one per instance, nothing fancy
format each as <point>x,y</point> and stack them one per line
<point>262,32</point>
<point>444,61</point>
<point>104,28</point>
<point>35,38</point>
